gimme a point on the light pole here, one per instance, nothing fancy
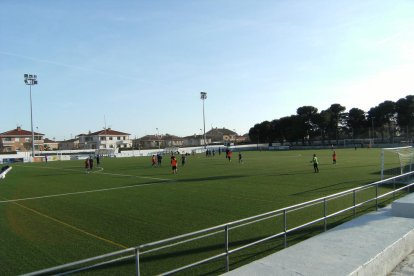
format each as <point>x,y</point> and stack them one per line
<point>31,80</point>
<point>203,96</point>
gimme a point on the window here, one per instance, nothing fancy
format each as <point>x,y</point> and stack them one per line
<point>103,138</point>
<point>118,138</point>
<point>110,138</point>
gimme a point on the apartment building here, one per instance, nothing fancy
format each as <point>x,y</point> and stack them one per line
<point>20,140</point>
<point>105,139</point>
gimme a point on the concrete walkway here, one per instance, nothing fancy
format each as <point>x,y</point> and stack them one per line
<point>405,268</point>
<point>373,244</point>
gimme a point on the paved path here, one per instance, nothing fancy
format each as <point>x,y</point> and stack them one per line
<point>374,244</point>
<point>405,268</point>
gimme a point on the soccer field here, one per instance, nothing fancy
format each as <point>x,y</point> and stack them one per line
<point>54,213</point>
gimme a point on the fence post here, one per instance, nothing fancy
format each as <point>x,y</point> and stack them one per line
<point>137,261</point>
<point>376,197</point>
<point>226,237</point>
<point>285,227</point>
<point>354,196</point>
<point>393,192</point>
<point>324,214</point>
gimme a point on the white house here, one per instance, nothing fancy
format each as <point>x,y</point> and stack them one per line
<point>105,139</point>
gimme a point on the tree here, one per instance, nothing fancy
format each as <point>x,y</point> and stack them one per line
<point>357,122</point>
<point>254,133</point>
<point>306,118</point>
<point>404,108</point>
<point>290,128</point>
<point>335,117</point>
<point>262,132</point>
<point>277,131</point>
<point>387,118</point>
<point>383,118</point>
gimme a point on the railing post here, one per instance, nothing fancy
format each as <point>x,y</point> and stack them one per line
<point>354,196</point>
<point>324,214</point>
<point>137,261</point>
<point>226,237</point>
<point>376,197</point>
<point>393,186</point>
<point>285,227</point>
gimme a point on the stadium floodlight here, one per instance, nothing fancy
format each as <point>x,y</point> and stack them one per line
<point>203,96</point>
<point>30,80</point>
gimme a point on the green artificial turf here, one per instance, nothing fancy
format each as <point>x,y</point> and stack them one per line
<point>55,213</point>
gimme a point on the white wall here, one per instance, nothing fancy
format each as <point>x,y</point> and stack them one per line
<point>67,154</point>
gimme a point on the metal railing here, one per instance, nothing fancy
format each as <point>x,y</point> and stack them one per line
<point>357,197</point>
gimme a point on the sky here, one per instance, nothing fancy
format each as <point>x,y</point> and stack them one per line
<point>139,66</point>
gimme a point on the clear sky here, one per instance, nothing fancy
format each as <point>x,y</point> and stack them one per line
<point>138,66</point>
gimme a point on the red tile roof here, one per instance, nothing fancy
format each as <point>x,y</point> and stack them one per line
<point>107,131</point>
<point>19,132</point>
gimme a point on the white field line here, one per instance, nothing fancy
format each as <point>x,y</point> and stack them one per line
<point>100,172</point>
<point>91,191</point>
<point>77,193</point>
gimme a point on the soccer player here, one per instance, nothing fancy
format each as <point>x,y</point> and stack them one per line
<point>174,164</point>
<point>230,153</point>
<point>90,162</point>
<point>334,157</point>
<point>87,165</point>
<point>315,163</point>
<point>154,160</point>
<point>159,159</point>
<point>240,157</point>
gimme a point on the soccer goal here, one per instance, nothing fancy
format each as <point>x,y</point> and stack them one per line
<point>395,161</point>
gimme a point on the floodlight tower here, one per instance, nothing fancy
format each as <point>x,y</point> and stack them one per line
<point>203,96</point>
<point>30,80</point>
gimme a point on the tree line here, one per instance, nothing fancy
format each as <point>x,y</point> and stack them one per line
<point>383,122</point>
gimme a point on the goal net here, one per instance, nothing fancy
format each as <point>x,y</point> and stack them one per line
<point>395,161</point>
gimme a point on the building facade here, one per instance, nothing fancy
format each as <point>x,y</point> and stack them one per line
<point>221,135</point>
<point>195,141</point>
<point>105,139</point>
<point>71,144</point>
<point>20,140</point>
<point>149,142</point>
<point>50,144</point>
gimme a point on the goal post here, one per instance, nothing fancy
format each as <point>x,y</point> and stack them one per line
<point>395,161</point>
